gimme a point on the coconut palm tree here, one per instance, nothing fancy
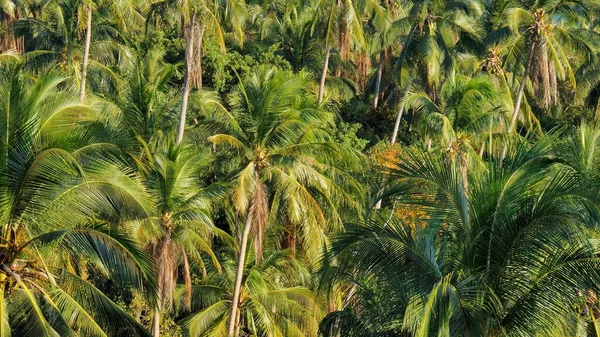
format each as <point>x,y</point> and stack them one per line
<point>177,231</point>
<point>139,113</point>
<point>137,131</point>
<point>288,23</point>
<point>384,32</point>
<point>274,300</point>
<point>198,17</point>
<point>53,38</point>
<point>58,209</point>
<point>123,11</point>
<point>339,23</point>
<point>492,260</point>
<point>286,158</point>
<point>440,33</point>
<point>541,38</point>
<point>469,106</point>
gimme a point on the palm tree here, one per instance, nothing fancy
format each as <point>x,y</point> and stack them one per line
<point>492,260</point>
<point>273,303</point>
<point>194,15</point>
<point>289,24</point>
<point>468,106</point>
<point>440,32</point>
<point>52,32</point>
<point>386,29</point>
<point>140,112</point>
<point>58,211</point>
<point>341,27</point>
<point>285,156</point>
<point>178,229</point>
<point>471,110</point>
<point>544,32</point>
<point>123,11</point>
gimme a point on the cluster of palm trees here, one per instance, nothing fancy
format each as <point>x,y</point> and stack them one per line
<point>137,201</point>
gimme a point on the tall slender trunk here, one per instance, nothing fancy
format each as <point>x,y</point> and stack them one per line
<point>86,51</point>
<point>324,74</point>
<point>239,274</point>
<point>156,322</point>
<point>399,116</point>
<point>379,75</point>
<point>394,136</point>
<point>517,108</point>
<point>189,53</point>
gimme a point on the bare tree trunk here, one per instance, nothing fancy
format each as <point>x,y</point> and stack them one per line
<point>239,274</point>
<point>513,120</point>
<point>156,322</point>
<point>189,54</point>
<point>324,74</point>
<point>86,51</point>
<point>379,75</point>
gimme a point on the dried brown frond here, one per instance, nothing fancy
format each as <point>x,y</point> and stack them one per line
<point>260,213</point>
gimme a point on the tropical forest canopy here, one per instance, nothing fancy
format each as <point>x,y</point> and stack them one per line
<point>282,168</point>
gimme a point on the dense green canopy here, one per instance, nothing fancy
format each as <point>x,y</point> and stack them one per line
<point>283,168</point>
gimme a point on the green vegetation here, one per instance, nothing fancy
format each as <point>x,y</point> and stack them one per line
<point>285,168</point>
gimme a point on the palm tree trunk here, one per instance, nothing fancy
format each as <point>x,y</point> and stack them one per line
<point>379,75</point>
<point>517,108</point>
<point>324,74</point>
<point>399,116</point>
<point>239,274</point>
<point>156,322</point>
<point>394,135</point>
<point>397,125</point>
<point>86,51</point>
<point>189,53</point>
